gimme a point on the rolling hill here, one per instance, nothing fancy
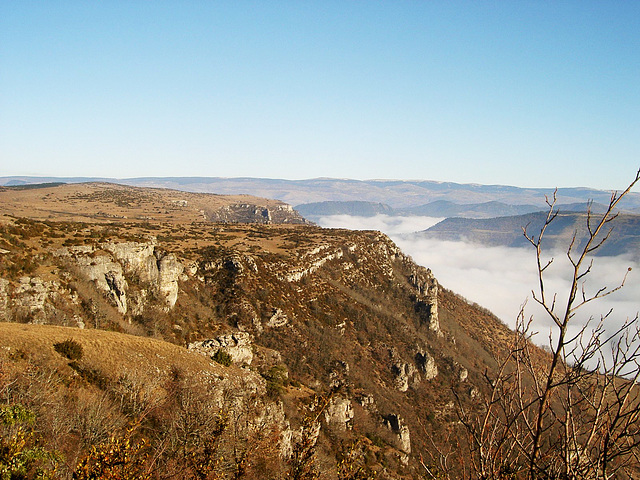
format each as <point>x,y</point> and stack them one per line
<point>508,231</point>
<point>398,194</point>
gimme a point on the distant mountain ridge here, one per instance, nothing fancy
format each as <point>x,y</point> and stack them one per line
<point>507,231</point>
<point>439,208</point>
<point>444,208</point>
<point>398,194</point>
<point>355,208</point>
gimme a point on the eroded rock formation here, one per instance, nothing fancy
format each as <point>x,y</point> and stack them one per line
<point>339,413</point>
<point>237,345</point>
<point>108,264</point>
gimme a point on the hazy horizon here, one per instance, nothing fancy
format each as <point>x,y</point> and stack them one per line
<point>381,179</point>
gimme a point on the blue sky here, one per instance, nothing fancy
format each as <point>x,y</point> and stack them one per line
<point>527,93</point>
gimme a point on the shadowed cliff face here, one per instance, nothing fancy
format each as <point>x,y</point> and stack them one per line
<point>336,313</point>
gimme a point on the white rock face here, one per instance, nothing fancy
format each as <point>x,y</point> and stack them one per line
<point>169,271</point>
<point>404,373</point>
<point>238,345</point>
<point>160,270</point>
<point>32,297</point>
<point>278,319</point>
<point>367,401</point>
<point>313,262</point>
<point>339,413</point>
<point>427,288</point>
<point>152,266</point>
<point>396,424</point>
<point>463,373</point>
<point>427,364</point>
<point>32,292</point>
<point>108,277</point>
<point>135,257</point>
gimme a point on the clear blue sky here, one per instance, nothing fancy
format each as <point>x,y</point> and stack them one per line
<point>527,93</point>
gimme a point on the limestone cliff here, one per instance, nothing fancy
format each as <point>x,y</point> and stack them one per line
<point>106,266</point>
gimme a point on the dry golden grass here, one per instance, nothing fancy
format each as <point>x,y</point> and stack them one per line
<point>108,352</point>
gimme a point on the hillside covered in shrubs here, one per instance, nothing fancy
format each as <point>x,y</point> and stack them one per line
<point>137,349</point>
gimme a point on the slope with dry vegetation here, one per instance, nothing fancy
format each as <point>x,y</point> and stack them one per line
<point>214,350</point>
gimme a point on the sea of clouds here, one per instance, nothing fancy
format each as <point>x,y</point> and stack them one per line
<point>502,278</point>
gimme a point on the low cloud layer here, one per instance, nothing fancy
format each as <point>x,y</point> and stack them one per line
<point>501,278</point>
<point>392,226</point>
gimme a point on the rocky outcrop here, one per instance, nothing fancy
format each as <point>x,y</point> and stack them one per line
<point>31,296</point>
<point>314,260</point>
<point>169,271</point>
<point>135,257</point>
<point>339,413</point>
<point>32,299</point>
<point>237,345</point>
<point>339,375</point>
<point>463,373</point>
<point>107,275</point>
<point>107,264</point>
<point>427,364</point>
<point>161,270</point>
<point>278,319</point>
<point>252,213</point>
<point>426,302</point>
<point>400,429</point>
<point>405,373</point>
<point>32,293</point>
<point>234,264</point>
<point>367,401</point>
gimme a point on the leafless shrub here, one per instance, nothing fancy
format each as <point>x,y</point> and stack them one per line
<point>572,412</point>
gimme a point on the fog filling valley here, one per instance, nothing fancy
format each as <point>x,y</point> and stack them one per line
<point>501,279</point>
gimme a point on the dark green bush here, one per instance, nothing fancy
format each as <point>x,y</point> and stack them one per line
<point>222,357</point>
<point>277,378</point>
<point>69,348</point>
<point>91,375</point>
<point>376,440</point>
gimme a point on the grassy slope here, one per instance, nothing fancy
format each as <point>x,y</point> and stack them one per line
<point>108,352</point>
